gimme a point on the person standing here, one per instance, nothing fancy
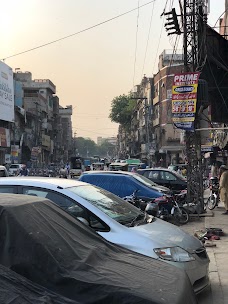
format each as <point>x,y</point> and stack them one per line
<point>223,187</point>
<point>67,168</point>
<point>23,171</point>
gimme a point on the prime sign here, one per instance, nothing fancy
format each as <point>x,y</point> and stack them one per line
<point>184,97</point>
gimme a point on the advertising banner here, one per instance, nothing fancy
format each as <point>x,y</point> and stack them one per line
<point>15,150</point>
<point>184,97</point>
<point>4,137</point>
<point>6,93</point>
<point>35,152</point>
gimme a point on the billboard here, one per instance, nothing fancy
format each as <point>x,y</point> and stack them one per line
<point>6,93</point>
<point>4,137</point>
<point>184,97</point>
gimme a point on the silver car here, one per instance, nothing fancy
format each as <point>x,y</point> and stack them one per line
<point>119,222</point>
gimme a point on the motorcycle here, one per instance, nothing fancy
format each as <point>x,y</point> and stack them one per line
<point>213,198</point>
<point>63,173</point>
<point>169,209</point>
<point>136,201</point>
<point>165,207</point>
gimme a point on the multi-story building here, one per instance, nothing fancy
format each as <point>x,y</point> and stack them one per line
<point>223,26</point>
<point>37,130</point>
<point>65,119</point>
<point>112,140</point>
<point>167,136</point>
<point>34,128</point>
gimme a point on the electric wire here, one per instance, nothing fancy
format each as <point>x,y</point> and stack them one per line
<point>156,54</point>
<point>226,10</point>
<point>79,32</point>
<point>148,37</point>
<point>136,44</point>
<point>91,131</point>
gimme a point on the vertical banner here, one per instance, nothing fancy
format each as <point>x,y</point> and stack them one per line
<point>184,97</point>
<point>6,92</point>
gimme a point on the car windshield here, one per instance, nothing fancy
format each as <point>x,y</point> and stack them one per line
<point>14,166</point>
<point>179,175</point>
<point>146,181</point>
<point>112,205</point>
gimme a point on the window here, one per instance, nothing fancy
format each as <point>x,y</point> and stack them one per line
<point>60,200</point>
<point>68,205</point>
<point>168,176</point>
<point>110,204</point>
<point>153,174</point>
<point>7,189</point>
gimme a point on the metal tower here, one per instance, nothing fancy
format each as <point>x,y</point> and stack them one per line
<point>193,20</point>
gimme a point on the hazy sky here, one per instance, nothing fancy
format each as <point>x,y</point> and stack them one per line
<point>91,68</point>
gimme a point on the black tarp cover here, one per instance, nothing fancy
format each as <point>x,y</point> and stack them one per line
<point>51,248</point>
<point>15,289</point>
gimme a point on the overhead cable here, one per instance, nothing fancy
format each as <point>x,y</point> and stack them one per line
<point>77,33</point>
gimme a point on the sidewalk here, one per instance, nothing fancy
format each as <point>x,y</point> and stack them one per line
<point>218,268</point>
<point>219,257</point>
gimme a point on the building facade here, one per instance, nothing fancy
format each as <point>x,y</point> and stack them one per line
<point>39,130</point>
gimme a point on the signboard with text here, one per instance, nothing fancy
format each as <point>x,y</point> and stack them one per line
<point>4,137</point>
<point>184,97</point>
<point>6,93</point>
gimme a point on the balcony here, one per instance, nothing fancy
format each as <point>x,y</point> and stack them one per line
<point>45,84</point>
<point>156,100</point>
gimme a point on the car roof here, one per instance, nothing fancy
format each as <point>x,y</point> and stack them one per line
<point>41,181</point>
<point>109,172</point>
<point>2,167</point>
<point>157,169</point>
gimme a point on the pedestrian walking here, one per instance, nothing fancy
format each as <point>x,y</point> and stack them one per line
<point>223,186</point>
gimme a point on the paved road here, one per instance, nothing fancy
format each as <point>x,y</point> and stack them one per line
<point>218,268</point>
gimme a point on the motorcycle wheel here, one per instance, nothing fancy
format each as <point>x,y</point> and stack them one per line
<point>211,202</point>
<point>182,216</point>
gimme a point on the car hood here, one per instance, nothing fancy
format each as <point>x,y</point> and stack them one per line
<point>162,188</point>
<point>164,234</point>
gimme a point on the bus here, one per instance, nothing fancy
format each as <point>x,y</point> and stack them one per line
<point>76,166</point>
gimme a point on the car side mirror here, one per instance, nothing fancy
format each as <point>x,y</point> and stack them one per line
<point>83,220</point>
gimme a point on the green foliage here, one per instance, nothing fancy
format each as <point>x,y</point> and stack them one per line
<point>88,148</point>
<point>85,147</point>
<point>121,110</point>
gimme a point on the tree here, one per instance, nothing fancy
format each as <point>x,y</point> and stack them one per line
<point>121,110</point>
<point>106,149</point>
<point>85,147</point>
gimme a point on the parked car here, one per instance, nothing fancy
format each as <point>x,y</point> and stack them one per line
<point>15,288</point>
<point>14,169</point>
<point>120,223</point>
<point>165,177</point>
<point>43,243</point>
<point>124,183</point>
<point>3,171</point>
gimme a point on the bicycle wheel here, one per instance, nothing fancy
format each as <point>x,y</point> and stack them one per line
<point>181,216</point>
<point>211,202</point>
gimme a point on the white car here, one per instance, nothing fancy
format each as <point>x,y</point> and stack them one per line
<point>3,171</point>
<point>14,169</point>
<point>119,222</point>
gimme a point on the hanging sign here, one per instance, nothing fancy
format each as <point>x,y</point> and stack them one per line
<point>184,97</point>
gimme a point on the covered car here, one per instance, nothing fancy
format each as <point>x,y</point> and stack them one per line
<point>16,289</point>
<point>41,242</point>
<point>124,183</point>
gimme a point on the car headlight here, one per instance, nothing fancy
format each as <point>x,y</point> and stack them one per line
<point>175,254</point>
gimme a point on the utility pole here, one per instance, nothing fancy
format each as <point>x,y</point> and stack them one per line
<point>194,46</point>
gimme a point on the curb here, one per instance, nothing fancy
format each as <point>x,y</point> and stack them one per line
<point>216,287</point>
